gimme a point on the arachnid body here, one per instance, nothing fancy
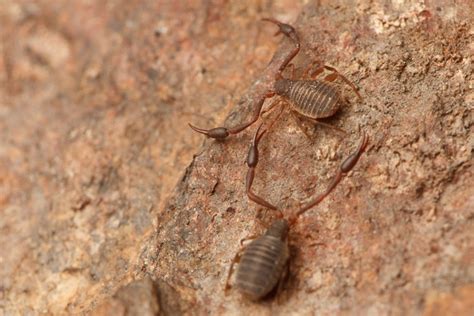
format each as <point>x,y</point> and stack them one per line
<point>312,99</point>
<point>264,263</point>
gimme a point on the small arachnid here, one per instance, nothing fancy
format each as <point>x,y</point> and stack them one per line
<point>310,99</point>
<point>264,263</point>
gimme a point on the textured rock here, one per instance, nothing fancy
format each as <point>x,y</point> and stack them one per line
<point>95,193</point>
<point>136,298</point>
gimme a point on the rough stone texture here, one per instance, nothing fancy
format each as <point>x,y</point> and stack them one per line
<point>136,298</point>
<point>94,101</point>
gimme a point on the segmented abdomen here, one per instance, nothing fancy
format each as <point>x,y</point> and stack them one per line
<point>315,99</point>
<point>261,266</point>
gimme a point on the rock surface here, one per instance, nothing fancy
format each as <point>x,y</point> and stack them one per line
<point>104,185</point>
